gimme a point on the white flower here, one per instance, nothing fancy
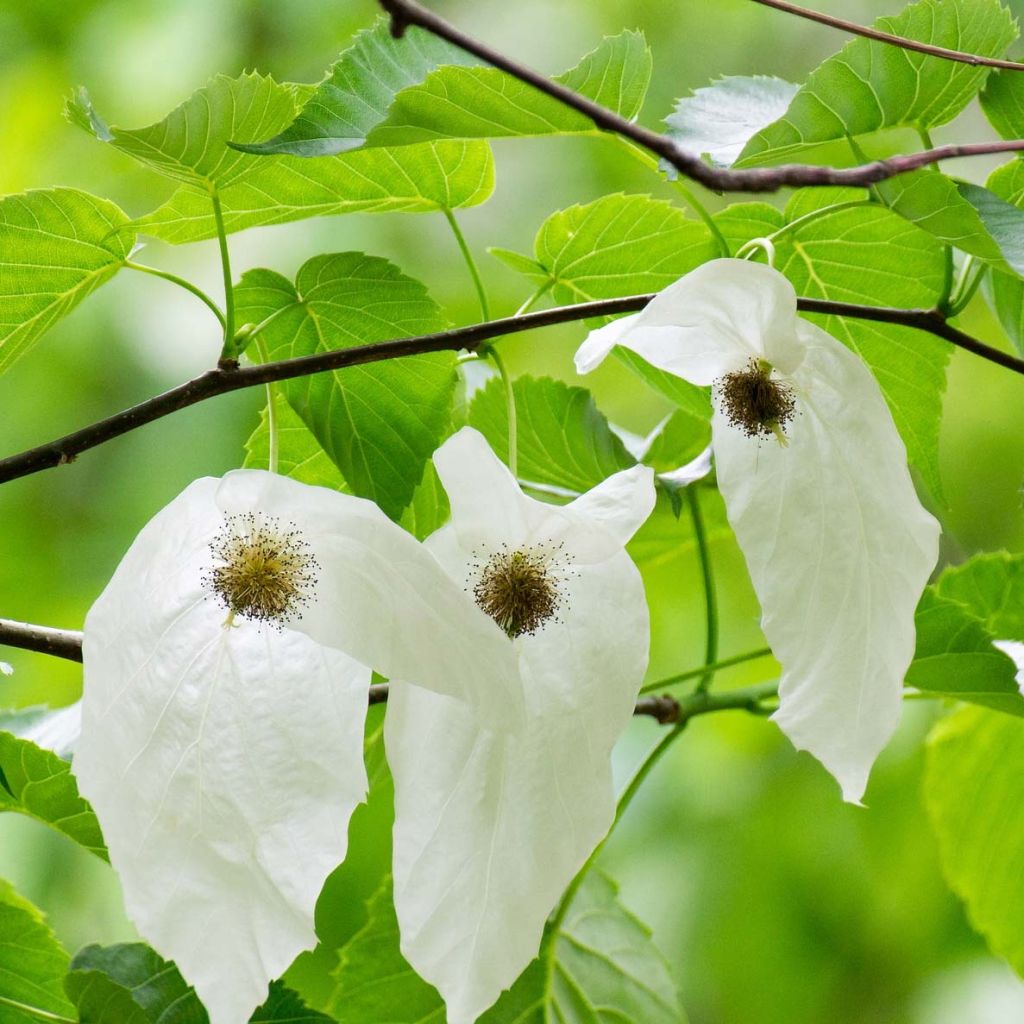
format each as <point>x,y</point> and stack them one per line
<point>222,746</point>
<point>1014,650</point>
<point>816,486</point>
<point>491,825</point>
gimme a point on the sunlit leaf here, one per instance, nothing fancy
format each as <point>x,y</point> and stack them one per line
<point>992,587</point>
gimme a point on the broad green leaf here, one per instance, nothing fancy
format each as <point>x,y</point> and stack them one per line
<point>740,222</point>
<point>429,509</point>
<point>599,965</point>
<point>378,422</point>
<point>992,587</point>
<point>869,255</point>
<point>563,439</point>
<point>1006,296</point>
<point>32,963</point>
<point>1002,99</point>
<point>483,103</point>
<point>681,439</point>
<point>870,85</point>
<point>1003,222</point>
<point>692,400</point>
<point>358,91</point>
<point>617,245</point>
<point>718,119</point>
<point>299,454</point>
<point>955,657</point>
<point>132,984</point>
<point>56,247</point>
<point>278,189</point>
<point>974,789</point>
<point>37,783</point>
<point>190,143</point>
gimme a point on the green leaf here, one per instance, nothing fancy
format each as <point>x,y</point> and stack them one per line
<point>717,120</point>
<point>992,587</point>
<point>870,85</point>
<point>600,965</point>
<point>869,255</point>
<point>681,438</point>
<point>429,509</point>
<point>132,984</point>
<point>1006,296</point>
<point>37,783</point>
<point>955,657</point>
<point>415,179</point>
<point>32,963</point>
<point>1002,100</point>
<point>974,789</point>
<point>379,422</point>
<point>56,247</point>
<point>692,400</point>
<point>563,439</point>
<point>742,221</point>
<point>1003,222</point>
<point>190,143</point>
<point>483,103</point>
<point>299,453</point>
<point>358,91</point>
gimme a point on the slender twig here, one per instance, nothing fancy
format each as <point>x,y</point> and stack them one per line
<point>181,282</point>
<point>223,380</point>
<point>710,598</point>
<point>696,673</point>
<point>405,13</point>
<point>885,37</point>
<point>227,353</point>
<point>61,643</point>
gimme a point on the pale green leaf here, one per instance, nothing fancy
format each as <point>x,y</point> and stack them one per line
<point>379,422</point>
<point>563,439</point>
<point>740,222</point>
<point>414,179</point>
<point>481,103</point>
<point>358,91</point>
<point>718,119</point>
<point>692,400</point>
<point>38,783</point>
<point>974,789</point>
<point>190,143</point>
<point>870,85</point>
<point>869,255</point>
<point>32,963</point>
<point>56,247</point>
<point>429,509</point>
<point>955,657</point>
<point>992,587</point>
<point>600,965</point>
<point>299,453</point>
<point>1003,222</point>
<point>681,438</point>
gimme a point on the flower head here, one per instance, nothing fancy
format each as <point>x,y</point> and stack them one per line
<point>817,489</point>
<point>491,824</point>
<point>224,754</point>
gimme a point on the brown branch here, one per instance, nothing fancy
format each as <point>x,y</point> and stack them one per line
<point>885,37</point>
<point>224,380</point>
<point>405,13</point>
<point>61,643</point>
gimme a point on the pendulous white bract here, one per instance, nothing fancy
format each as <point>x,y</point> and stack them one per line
<point>838,545</point>
<point>224,758</point>
<point>492,824</point>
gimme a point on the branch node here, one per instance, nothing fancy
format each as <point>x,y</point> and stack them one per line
<point>399,21</point>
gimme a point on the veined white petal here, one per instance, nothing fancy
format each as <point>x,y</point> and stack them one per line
<point>710,322</point>
<point>223,763</point>
<point>491,828</point>
<point>379,596</point>
<point>621,503</point>
<point>839,550</point>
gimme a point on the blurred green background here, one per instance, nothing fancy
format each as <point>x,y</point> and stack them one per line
<point>772,900</point>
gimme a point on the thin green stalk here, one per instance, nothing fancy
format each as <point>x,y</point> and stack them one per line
<point>534,298</point>
<point>710,599</point>
<point>35,1011</point>
<point>229,292</point>
<point>694,673</point>
<point>971,275</point>
<point>181,283</point>
<point>510,402</point>
<point>814,215</point>
<point>272,432</point>
<point>470,262</point>
<point>266,322</point>
<point>680,186</point>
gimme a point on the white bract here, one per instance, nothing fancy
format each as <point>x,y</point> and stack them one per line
<point>491,825</point>
<point>817,489</point>
<point>226,672</point>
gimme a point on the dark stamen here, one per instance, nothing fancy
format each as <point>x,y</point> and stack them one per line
<point>519,590</point>
<point>757,403</point>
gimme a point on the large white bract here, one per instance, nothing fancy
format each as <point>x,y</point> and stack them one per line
<point>224,759</point>
<point>838,546</point>
<point>492,824</point>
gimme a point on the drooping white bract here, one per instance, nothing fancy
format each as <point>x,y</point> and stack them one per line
<point>817,489</point>
<point>222,746</point>
<point>491,825</point>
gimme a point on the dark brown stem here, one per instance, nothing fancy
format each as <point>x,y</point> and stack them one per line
<point>221,381</point>
<point>405,13</point>
<point>885,37</point>
<point>62,643</point>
